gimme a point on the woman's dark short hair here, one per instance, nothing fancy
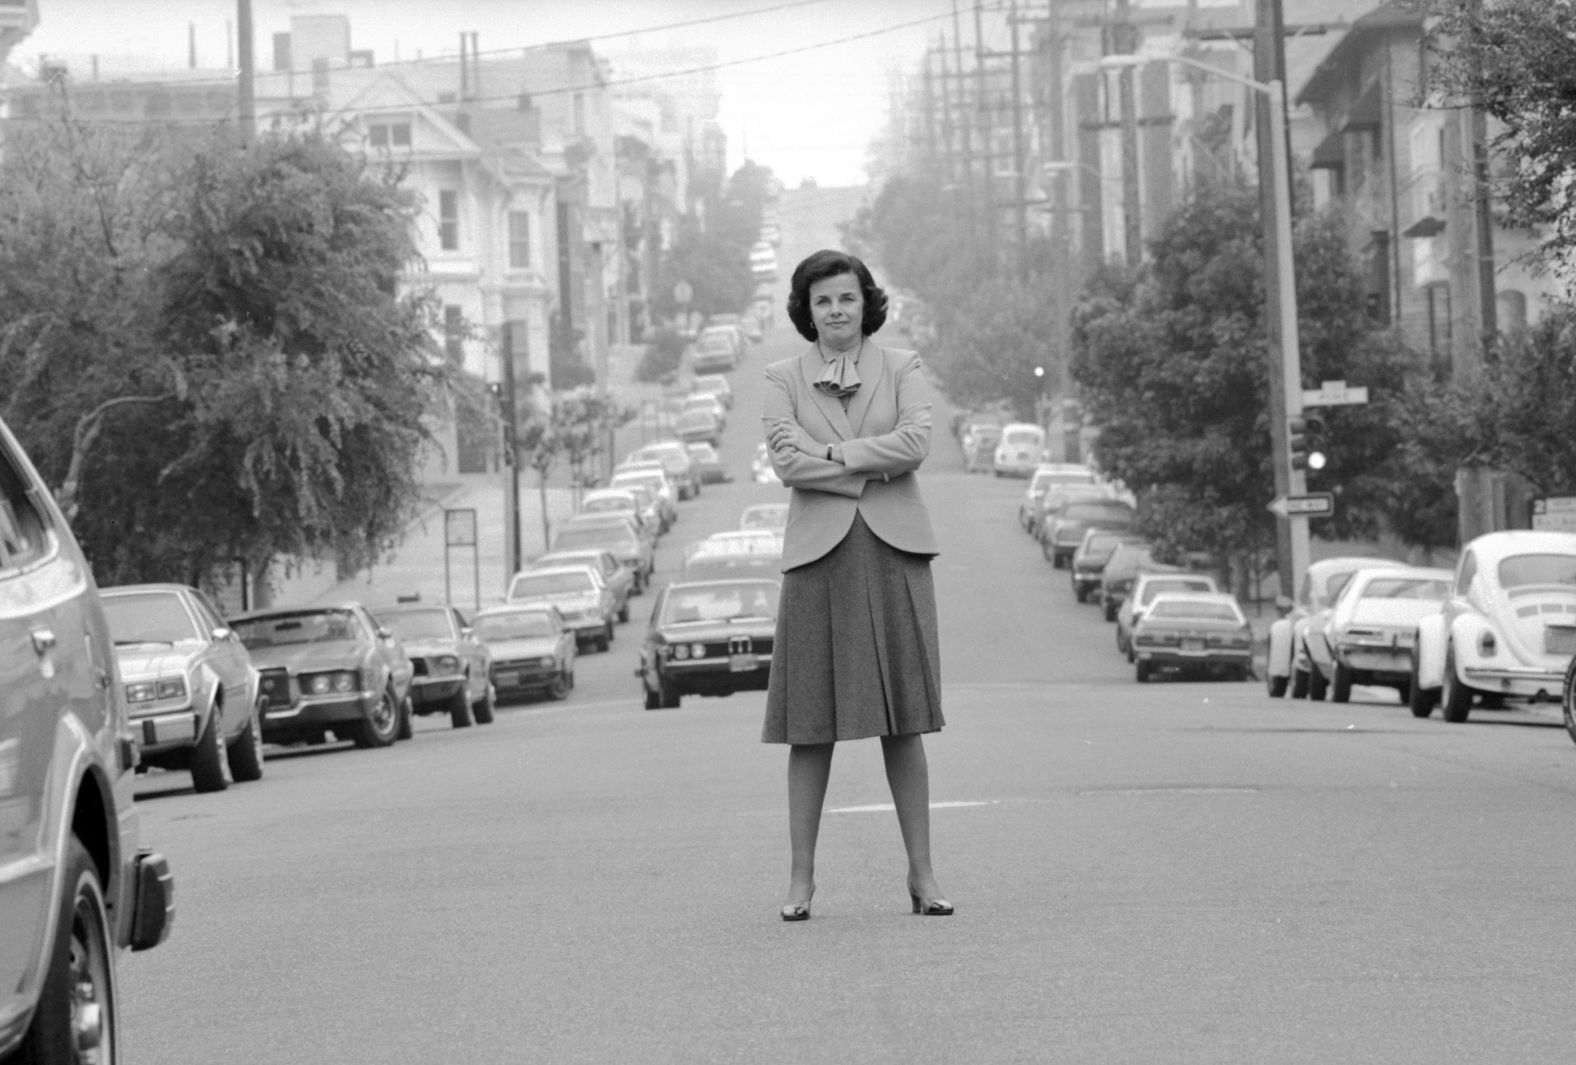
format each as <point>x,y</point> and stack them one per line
<point>818,266</point>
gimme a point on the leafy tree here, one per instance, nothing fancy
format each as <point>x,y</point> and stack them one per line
<point>662,357</point>
<point>717,269</point>
<point>1516,60</point>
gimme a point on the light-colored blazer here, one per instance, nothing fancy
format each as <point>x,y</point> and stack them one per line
<point>884,435</point>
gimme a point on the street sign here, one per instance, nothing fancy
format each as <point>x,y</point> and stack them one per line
<point>1312,505</point>
<point>1554,513</point>
<point>683,292</point>
<point>1335,394</point>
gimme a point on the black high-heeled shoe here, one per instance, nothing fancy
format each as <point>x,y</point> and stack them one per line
<point>798,911</point>
<point>929,907</point>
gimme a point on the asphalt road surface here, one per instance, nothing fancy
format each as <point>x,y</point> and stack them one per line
<point>1174,872</point>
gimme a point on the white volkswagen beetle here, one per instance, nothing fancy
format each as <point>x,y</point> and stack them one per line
<point>1288,651</point>
<point>1508,628</point>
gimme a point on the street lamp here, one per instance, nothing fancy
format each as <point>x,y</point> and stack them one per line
<point>1291,359</point>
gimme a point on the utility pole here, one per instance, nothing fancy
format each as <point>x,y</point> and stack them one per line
<point>946,118</point>
<point>1124,41</point>
<point>930,108</point>
<point>987,127</point>
<point>508,408</point>
<point>963,115</point>
<point>246,99</point>
<point>1020,159</point>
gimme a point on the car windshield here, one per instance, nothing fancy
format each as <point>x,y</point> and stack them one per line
<point>1177,584</point>
<point>149,617</point>
<point>1093,511</point>
<point>1044,479</point>
<point>721,602</point>
<point>714,342</point>
<point>1099,544</point>
<point>418,624</point>
<point>613,538</point>
<point>626,480</point>
<point>703,453</point>
<point>537,585</point>
<point>1194,610</point>
<point>595,559</point>
<point>1435,589</point>
<point>1524,571</point>
<point>300,626</point>
<point>592,506</point>
<point>709,567</point>
<point>525,625</point>
<point>1023,437</point>
<point>765,516</point>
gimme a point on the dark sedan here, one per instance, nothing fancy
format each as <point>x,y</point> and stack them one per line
<point>328,669</point>
<point>1088,563</point>
<point>1062,530</point>
<point>708,638</point>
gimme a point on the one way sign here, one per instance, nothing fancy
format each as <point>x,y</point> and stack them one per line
<point>1312,505</point>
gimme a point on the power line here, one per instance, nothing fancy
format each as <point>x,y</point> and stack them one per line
<point>514,96</point>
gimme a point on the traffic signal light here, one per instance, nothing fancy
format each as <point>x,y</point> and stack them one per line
<point>1305,441</point>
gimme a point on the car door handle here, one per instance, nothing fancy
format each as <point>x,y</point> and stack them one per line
<point>43,641</point>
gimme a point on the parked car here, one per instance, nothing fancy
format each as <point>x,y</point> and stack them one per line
<point>979,440</point>
<point>761,470</point>
<point>451,666</point>
<point>192,692</point>
<point>674,458</point>
<point>714,384</point>
<point>624,501</point>
<point>708,464</point>
<point>1368,638</point>
<point>709,402</point>
<point>1020,449</point>
<point>1058,496</point>
<point>723,556</point>
<point>716,350</point>
<point>577,593</point>
<point>328,669</point>
<point>1065,529</point>
<point>773,516</point>
<point>1045,476</point>
<point>655,478</point>
<point>708,638</point>
<point>1288,662</point>
<point>1145,587</point>
<point>1507,630</point>
<point>533,651</point>
<point>763,261</point>
<point>698,427</point>
<point>1090,557</point>
<point>1121,570</point>
<point>632,550</point>
<point>75,885</point>
<point>619,578</point>
<point>1193,632</point>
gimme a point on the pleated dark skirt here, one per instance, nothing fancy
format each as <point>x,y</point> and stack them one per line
<point>856,651</point>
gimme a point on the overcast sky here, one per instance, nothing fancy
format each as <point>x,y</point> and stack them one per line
<point>807,114</point>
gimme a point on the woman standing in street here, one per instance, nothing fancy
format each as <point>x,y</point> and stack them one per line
<point>856,652</point>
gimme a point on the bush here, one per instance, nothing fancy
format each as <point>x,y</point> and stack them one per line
<point>662,358</point>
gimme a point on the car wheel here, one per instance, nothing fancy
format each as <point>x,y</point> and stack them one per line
<point>1299,683</point>
<point>1455,698</point>
<point>1276,685</point>
<point>246,753</point>
<point>558,691</point>
<point>667,693</point>
<point>1141,672</point>
<point>653,700</point>
<point>1079,594</point>
<point>76,1019</point>
<point>210,766</point>
<point>1318,686</point>
<point>381,725</point>
<point>460,709</point>
<point>1341,687</point>
<point>623,611</point>
<point>1110,610</point>
<point>407,718</point>
<point>602,639</point>
<point>483,710</point>
<point>1050,553</point>
<point>1568,699</point>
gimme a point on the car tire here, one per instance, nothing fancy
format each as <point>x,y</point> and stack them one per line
<point>407,719</point>
<point>1276,686</point>
<point>79,983</point>
<point>210,763</point>
<point>246,753</point>
<point>653,700</point>
<point>460,715</point>
<point>1299,683</point>
<point>1079,593</point>
<point>623,611</point>
<point>379,728</point>
<point>1455,698</point>
<point>603,639</point>
<point>1109,609</point>
<point>1141,672</point>
<point>1341,687</point>
<point>483,711</point>
<point>1568,700</point>
<point>668,697</point>
<point>1050,554</point>
<point>1318,686</point>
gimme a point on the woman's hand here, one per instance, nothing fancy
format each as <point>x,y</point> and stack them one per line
<point>786,436</point>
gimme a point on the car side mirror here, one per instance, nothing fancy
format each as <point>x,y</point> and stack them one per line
<point>384,634</point>
<point>1284,605</point>
<point>221,634</point>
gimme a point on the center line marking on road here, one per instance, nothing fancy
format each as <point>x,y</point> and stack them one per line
<point>883,807</point>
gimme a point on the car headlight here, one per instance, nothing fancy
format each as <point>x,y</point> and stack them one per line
<point>1487,645</point>
<point>150,691</point>
<point>447,663</point>
<point>546,662</point>
<point>337,682</point>
<point>681,651</point>
<point>698,650</point>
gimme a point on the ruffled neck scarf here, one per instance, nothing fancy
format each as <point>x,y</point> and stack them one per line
<point>839,373</point>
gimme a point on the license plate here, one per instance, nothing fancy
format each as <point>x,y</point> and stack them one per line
<point>742,663</point>
<point>1192,643</point>
<point>508,680</point>
<point>1559,640</point>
